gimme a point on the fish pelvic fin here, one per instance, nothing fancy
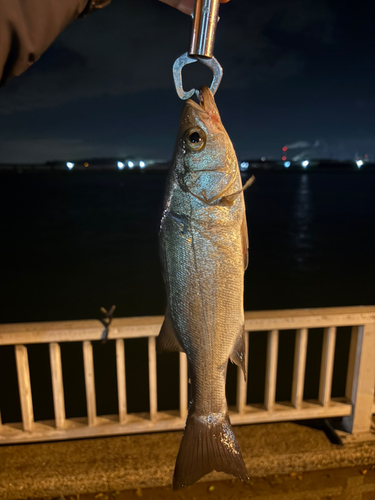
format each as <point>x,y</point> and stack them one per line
<point>208,444</point>
<point>167,339</point>
<point>238,354</point>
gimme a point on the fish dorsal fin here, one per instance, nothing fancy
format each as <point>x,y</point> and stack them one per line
<point>245,242</point>
<point>167,339</point>
<point>238,354</point>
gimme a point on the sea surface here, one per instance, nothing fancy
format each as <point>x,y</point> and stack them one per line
<point>72,242</point>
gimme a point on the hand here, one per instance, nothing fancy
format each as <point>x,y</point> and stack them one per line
<point>185,6</point>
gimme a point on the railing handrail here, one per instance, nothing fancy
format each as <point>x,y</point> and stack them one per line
<point>291,319</point>
<point>149,326</point>
<point>356,407</point>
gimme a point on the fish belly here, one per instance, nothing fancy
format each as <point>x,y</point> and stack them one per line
<point>204,276</point>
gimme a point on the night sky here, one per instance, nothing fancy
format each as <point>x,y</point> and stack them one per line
<point>294,72</point>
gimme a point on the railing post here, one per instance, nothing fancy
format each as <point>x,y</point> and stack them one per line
<point>183,385</point>
<point>300,351</point>
<point>23,373</point>
<point>326,367</point>
<point>88,364</point>
<point>360,378</point>
<point>57,385</point>
<point>121,380</point>
<point>271,370</point>
<point>152,377</point>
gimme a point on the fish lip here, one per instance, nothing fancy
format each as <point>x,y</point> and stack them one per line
<point>206,101</point>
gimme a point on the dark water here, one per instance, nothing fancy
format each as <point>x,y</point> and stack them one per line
<point>74,241</point>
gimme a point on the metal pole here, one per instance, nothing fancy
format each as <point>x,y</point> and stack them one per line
<point>204,28</point>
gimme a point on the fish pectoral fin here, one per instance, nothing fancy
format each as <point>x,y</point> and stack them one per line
<point>167,339</point>
<point>208,444</point>
<point>230,198</point>
<point>238,354</point>
<point>248,182</point>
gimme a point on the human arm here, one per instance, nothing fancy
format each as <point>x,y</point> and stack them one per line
<point>28,28</point>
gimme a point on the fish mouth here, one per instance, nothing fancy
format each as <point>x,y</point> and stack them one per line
<point>206,101</point>
<point>206,98</point>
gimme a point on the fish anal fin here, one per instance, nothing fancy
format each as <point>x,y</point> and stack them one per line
<point>167,339</point>
<point>238,354</point>
<point>208,444</point>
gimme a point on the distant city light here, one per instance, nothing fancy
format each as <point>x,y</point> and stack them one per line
<point>285,148</point>
<point>130,164</point>
<point>263,158</point>
<point>244,165</point>
<point>120,165</point>
<point>142,164</point>
<point>287,164</point>
<point>305,163</point>
<point>86,164</point>
<point>359,163</point>
<point>70,165</point>
<point>283,158</point>
<point>366,156</point>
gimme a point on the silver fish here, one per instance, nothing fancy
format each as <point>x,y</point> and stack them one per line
<point>204,251</point>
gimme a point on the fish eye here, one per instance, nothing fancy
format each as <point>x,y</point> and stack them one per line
<point>195,138</point>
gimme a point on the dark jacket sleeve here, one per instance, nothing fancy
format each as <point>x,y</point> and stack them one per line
<point>28,27</point>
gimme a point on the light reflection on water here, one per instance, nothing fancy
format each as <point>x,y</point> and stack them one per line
<point>301,225</point>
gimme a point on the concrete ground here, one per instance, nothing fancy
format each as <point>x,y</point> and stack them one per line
<point>337,484</point>
<point>282,453</point>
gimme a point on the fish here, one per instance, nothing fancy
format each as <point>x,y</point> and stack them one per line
<point>204,254</point>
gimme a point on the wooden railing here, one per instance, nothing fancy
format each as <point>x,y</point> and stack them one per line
<point>356,407</point>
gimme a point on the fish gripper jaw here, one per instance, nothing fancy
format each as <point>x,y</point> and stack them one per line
<point>185,59</point>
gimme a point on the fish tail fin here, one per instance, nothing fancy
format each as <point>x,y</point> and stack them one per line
<point>208,444</point>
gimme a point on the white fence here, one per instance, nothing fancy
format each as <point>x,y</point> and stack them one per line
<point>356,407</point>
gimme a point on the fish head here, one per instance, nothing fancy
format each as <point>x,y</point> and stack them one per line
<point>204,155</point>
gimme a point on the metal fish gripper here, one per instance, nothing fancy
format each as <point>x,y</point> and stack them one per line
<point>201,48</point>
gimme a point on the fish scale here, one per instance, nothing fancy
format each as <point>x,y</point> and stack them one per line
<point>203,237</point>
